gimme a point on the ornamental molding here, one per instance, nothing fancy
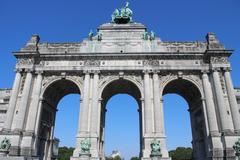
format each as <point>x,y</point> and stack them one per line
<point>219,60</point>
<point>107,79</point>
<point>92,63</point>
<point>25,61</point>
<point>151,62</point>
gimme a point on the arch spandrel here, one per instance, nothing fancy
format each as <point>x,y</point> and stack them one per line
<point>50,80</point>
<point>194,79</point>
<point>135,80</point>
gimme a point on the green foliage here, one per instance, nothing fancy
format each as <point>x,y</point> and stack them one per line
<point>115,158</point>
<point>135,158</point>
<point>64,153</point>
<point>181,153</point>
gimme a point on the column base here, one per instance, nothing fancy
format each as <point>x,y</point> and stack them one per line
<point>17,158</point>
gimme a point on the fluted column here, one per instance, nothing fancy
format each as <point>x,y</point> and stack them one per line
<point>13,100</point>
<point>147,103</point>
<point>95,100</point>
<point>158,108</point>
<point>33,109</point>
<point>211,112</point>
<point>20,117</point>
<point>84,108</point>
<point>224,117</point>
<point>232,100</point>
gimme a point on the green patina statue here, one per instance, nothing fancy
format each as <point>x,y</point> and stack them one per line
<point>85,146</point>
<point>123,15</point>
<point>156,149</point>
<point>5,144</point>
<point>99,36</point>
<point>236,147</point>
<point>90,35</point>
<point>152,35</point>
<point>149,36</point>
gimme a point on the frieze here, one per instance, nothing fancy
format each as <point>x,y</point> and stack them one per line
<point>92,63</point>
<point>25,61</point>
<point>151,62</point>
<point>219,60</point>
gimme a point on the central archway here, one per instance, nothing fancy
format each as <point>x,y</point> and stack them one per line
<point>119,86</point>
<point>51,96</point>
<point>192,94</point>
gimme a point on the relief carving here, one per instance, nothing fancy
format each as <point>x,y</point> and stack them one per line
<point>92,63</point>
<point>151,62</point>
<point>25,61</point>
<point>219,60</point>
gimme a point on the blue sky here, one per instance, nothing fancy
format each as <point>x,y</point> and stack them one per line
<point>71,20</point>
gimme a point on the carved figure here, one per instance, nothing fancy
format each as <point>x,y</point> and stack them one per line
<point>145,35</point>
<point>5,144</point>
<point>90,35</point>
<point>236,147</point>
<point>99,36</point>
<point>85,145</point>
<point>155,146</point>
<point>152,35</point>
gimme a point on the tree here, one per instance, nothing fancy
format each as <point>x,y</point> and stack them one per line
<point>135,158</point>
<point>64,153</point>
<point>181,153</point>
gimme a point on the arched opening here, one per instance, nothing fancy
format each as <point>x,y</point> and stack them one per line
<point>120,97</point>
<point>52,97</point>
<point>190,92</point>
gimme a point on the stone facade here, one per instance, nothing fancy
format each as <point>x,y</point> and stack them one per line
<point>122,60</point>
<point>4,102</point>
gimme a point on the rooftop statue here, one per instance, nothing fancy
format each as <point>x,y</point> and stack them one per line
<point>123,15</point>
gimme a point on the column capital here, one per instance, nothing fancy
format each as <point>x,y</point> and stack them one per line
<point>95,72</point>
<point>227,69</point>
<point>155,71</point>
<point>204,71</point>
<point>215,69</point>
<point>18,70</point>
<point>147,71</point>
<point>87,72</point>
<point>38,72</point>
<point>29,70</point>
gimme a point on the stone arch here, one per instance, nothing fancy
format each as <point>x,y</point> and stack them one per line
<point>117,86</point>
<point>192,93</point>
<point>53,91</point>
<point>51,81</point>
<point>111,79</point>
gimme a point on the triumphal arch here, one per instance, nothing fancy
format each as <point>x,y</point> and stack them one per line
<point>122,57</point>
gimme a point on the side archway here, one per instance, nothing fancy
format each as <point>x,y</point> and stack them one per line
<point>52,93</point>
<point>193,96</point>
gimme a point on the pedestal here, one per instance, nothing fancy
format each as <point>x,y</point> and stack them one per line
<point>3,153</point>
<point>159,157</point>
<point>82,156</point>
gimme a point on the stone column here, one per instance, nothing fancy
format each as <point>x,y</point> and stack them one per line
<point>147,104</point>
<point>27,141</point>
<point>83,119</point>
<point>232,100</point>
<point>13,100</point>
<point>158,108</point>
<point>224,117</point>
<point>33,109</point>
<point>94,116</point>
<point>211,112</point>
<point>20,117</point>
<point>85,106</point>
